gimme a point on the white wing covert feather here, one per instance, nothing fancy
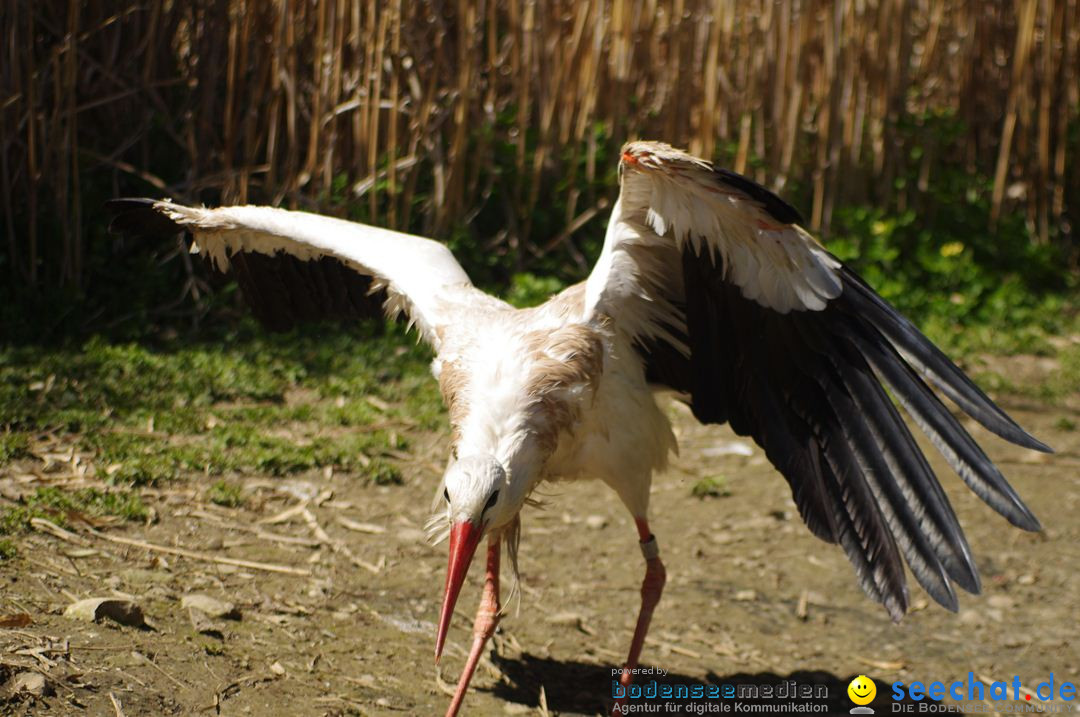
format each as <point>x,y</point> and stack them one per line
<point>421,276</point>
<point>670,199</point>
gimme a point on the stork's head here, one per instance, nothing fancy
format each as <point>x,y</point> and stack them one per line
<point>476,503</point>
<point>640,157</point>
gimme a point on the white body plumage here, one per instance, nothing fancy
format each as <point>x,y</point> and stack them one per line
<point>552,394</point>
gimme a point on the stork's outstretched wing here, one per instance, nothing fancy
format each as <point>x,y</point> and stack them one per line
<point>417,276</point>
<point>735,306</point>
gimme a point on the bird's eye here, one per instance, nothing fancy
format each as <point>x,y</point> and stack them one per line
<point>446,494</point>
<point>491,501</point>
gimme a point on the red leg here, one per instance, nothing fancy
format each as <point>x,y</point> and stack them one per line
<point>651,588</point>
<point>487,617</point>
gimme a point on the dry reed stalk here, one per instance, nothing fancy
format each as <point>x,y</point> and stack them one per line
<point>1019,64</point>
<point>460,103</point>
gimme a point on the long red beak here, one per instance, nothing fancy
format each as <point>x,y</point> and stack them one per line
<point>464,537</point>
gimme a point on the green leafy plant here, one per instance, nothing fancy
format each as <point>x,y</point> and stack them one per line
<point>711,487</point>
<point>530,290</point>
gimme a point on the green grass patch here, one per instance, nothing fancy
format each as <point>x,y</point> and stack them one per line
<point>711,487</point>
<point>12,446</point>
<point>7,549</point>
<point>224,403</point>
<point>54,504</point>
<point>382,472</point>
<point>123,504</point>
<point>1067,379</point>
<point>1063,382</point>
<point>16,520</point>
<point>212,648</point>
<point>225,493</point>
<point>1052,388</point>
<point>232,403</point>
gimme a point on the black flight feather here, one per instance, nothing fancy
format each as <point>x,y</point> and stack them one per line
<point>281,290</point>
<point>807,387</point>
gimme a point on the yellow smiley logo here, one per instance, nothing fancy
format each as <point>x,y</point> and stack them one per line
<point>862,690</point>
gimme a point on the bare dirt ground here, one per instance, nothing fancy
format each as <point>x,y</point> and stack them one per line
<point>751,595</point>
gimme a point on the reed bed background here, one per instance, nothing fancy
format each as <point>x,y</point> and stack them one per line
<point>495,124</point>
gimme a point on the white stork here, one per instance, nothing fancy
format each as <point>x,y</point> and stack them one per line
<point>709,287</point>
